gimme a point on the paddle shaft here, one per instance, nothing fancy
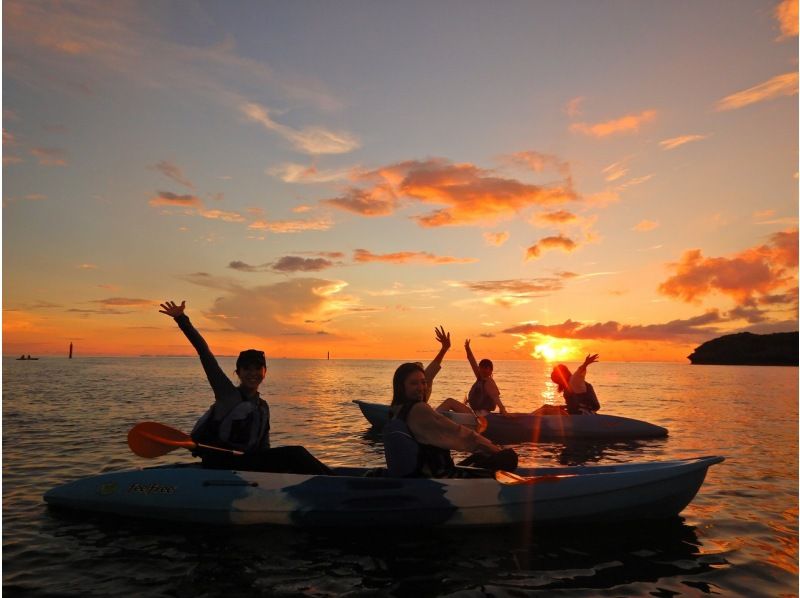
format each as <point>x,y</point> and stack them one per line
<point>181,441</point>
<point>189,444</point>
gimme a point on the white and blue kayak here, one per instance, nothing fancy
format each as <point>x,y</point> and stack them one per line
<point>536,427</point>
<point>351,497</point>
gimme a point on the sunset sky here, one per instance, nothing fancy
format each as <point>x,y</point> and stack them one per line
<point>546,178</point>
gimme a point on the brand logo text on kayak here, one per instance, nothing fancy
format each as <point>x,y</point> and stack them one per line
<point>152,488</point>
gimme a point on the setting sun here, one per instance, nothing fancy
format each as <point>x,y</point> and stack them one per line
<point>553,349</point>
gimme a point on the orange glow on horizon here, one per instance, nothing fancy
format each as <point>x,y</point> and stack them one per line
<point>552,349</point>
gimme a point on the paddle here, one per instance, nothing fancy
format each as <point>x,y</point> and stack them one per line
<point>152,439</point>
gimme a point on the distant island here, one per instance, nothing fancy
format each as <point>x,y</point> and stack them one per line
<point>746,348</point>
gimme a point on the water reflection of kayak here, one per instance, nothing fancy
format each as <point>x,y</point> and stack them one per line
<point>352,498</point>
<point>533,427</point>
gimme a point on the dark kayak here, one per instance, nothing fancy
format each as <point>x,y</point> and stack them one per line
<point>533,427</point>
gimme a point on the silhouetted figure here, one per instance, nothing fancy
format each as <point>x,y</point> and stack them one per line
<point>484,396</point>
<point>239,417</point>
<point>578,394</point>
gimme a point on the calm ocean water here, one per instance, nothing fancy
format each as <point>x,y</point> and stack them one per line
<point>68,419</point>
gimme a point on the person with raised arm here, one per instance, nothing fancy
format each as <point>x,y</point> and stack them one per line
<point>578,394</point>
<point>484,396</point>
<point>239,418</point>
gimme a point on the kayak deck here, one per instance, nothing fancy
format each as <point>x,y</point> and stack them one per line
<point>353,498</point>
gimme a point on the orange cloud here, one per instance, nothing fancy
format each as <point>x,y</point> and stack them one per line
<point>49,156</point>
<point>194,204</point>
<point>290,226</point>
<point>378,201</point>
<point>786,15</point>
<point>754,272</point>
<point>221,215</point>
<point>778,86</point>
<point>548,243</point>
<point>405,257</point>
<point>469,193</point>
<point>645,226</point>
<point>625,124</point>
<point>672,143</point>
<point>165,198</point>
<point>496,239</point>
<point>557,218</point>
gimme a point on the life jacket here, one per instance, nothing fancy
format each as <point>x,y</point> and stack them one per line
<point>244,428</point>
<point>479,399</point>
<point>406,457</point>
<point>581,401</point>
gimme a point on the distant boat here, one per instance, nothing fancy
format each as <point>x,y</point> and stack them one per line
<point>28,358</point>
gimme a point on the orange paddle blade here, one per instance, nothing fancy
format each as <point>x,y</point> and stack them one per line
<point>482,424</point>
<point>152,439</point>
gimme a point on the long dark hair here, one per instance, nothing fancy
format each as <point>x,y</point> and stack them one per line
<point>399,379</point>
<point>561,376</point>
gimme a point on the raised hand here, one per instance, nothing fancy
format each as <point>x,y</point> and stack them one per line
<point>591,359</point>
<point>172,309</point>
<point>443,337</point>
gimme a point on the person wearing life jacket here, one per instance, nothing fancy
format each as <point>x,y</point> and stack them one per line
<point>484,396</point>
<point>418,439</point>
<point>239,418</point>
<point>578,394</point>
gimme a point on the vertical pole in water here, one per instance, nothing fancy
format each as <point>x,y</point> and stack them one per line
<point>329,354</point>
<point>70,350</point>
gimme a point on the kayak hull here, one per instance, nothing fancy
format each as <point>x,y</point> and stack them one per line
<point>529,427</point>
<point>189,493</point>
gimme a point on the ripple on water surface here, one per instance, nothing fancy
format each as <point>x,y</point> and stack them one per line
<point>66,420</point>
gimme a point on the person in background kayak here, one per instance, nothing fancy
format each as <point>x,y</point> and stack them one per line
<point>484,396</point>
<point>239,417</point>
<point>578,394</point>
<point>418,439</point>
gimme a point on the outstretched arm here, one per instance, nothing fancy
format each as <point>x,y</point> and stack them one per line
<point>219,382</point>
<point>430,427</point>
<point>577,381</point>
<point>471,359</point>
<point>436,365</point>
<point>444,339</point>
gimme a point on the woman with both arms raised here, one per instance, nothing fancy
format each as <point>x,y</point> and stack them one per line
<point>239,417</point>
